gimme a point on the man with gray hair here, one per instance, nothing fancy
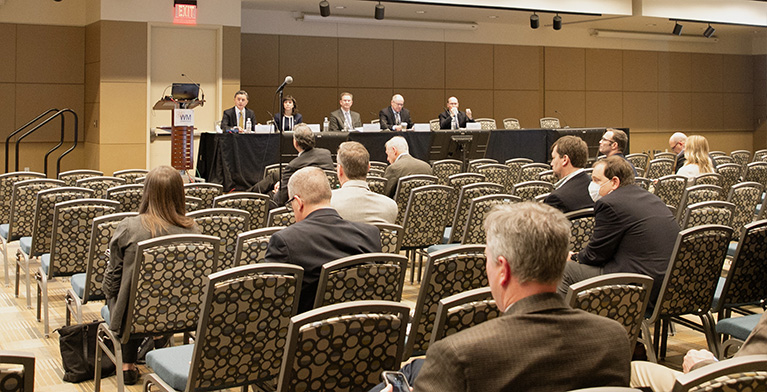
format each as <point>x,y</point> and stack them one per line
<point>401,164</point>
<point>395,117</point>
<point>319,235</point>
<point>355,201</point>
<point>676,143</point>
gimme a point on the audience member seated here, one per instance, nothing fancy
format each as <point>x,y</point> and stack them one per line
<point>308,155</point>
<point>161,212</point>
<point>676,143</point>
<point>401,164</point>
<point>633,230</point>
<point>614,142</point>
<point>288,116</point>
<point>344,119</point>
<point>354,201</point>
<point>395,117</point>
<point>235,118</point>
<point>539,343</point>
<point>569,155</point>
<point>319,235</point>
<point>452,118</point>
<point>696,158</point>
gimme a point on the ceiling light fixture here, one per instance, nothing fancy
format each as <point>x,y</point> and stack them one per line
<point>709,31</point>
<point>677,29</point>
<point>557,22</point>
<point>534,21</point>
<point>324,8</point>
<point>379,14</point>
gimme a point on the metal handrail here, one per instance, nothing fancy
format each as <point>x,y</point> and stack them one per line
<point>59,113</point>
<point>8,139</point>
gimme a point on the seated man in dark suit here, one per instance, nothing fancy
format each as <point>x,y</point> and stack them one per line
<point>395,117</point>
<point>344,119</point>
<point>676,143</point>
<point>568,156</point>
<point>235,118</point>
<point>539,343</point>
<point>401,164</point>
<point>614,142</point>
<point>634,231</point>
<point>319,234</point>
<point>308,155</point>
<point>452,118</point>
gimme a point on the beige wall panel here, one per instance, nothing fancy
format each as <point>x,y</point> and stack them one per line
<point>706,112</point>
<point>565,69</point>
<point>8,111</point>
<point>313,103</point>
<point>312,61</point>
<point>50,54</point>
<point>760,98</point>
<point>738,74</point>
<point>730,141</point>
<point>31,156</point>
<point>469,66</point>
<point>675,111</point>
<point>604,109</point>
<point>674,72</point>
<point>640,71</point>
<point>227,98</point>
<point>518,67</point>
<point>92,156</point>
<point>425,67</point>
<point>122,109</point>
<point>525,106</point>
<point>91,123</point>
<point>33,99</point>
<point>260,60</point>
<point>8,49</point>
<point>423,104</point>
<point>571,106</point>
<point>131,156</point>
<point>706,72</point>
<point>367,102</point>
<point>93,43</point>
<point>123,51</point>
<point>92,82</point>
<point>760,68</point>
<point>230,70</point>
<point>604,70</point>
<point>365,63</point>
<point>760,137</point>
<point>479,101</point>
<point>640,111</point>
<point>737,112</point>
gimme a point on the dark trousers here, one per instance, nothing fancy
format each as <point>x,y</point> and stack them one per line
<point>575,273</point>
<point>130,350</point>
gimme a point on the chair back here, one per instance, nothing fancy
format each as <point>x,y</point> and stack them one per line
<point>131,175</point>
<point>378,165</point>
<point>530,171</point>
<point>759,155</point>
<point>102,230</point>
<point>643,183</point>
<point>621,297</point>
<point>486,123</point>
<point>515,164</point>
<point>730,174</point>
<point>741,157</point>
<point>391,237</point>
<point>665,154</point>
<point>273,170</point>
<point>192,203</point>
<point>670,189</point>
<point>42,226</point>
<point>226,224</point>
<point>746,373</point>
<point>497,173</point>
<point>425,217</point>
<point>129,196</point>
<point>71,177</point>
<point>434,125</point>
<point>708,179</point>
<point>746,281</point>
<point>708,213</point>
<point>639,160</point>
<point>756,172</point>
<point>467,194</point>
<point>252,245</point>
<point>365,277</point>
<point>404,186</point>
<point>746,197</point>
<point>659,167</point>
<point>445,168</point>
<point>723,160</point>
<point>100,184</point>
<point>372,337</point>
<point>376,184</point>
<point>549,123</point>
<point>332,179</point>
<point>474,230</point>
<point>581,228</point>
<point>463,310</point>
<point>697,194</point>
<point>457,181</point>
<point>511,123</point>
<point>475,163</point>
<point>528,190</point>
<point>14,379</point>
<point>6,190</point>
<point>206,191</point>
<point>548,176</point>
<point>256,204</point>
<point>281,217</point>
<point>23,201</point>
<point>717,153</point>
<point>375,172</point>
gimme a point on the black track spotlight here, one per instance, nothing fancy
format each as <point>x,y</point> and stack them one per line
<point>677,29</point>
<point>379,11</point>
<point>534,21</point>
<point>557,22</point>
<point>324,8</point>
<point>709,31</point>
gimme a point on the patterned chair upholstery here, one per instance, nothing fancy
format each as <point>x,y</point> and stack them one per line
<point>376,184</point>
<point>404,186</point>
<point>620,297</point>
<point>487,123</point>
<point>186,258</point>
<point>722,160</point>
<point>515,165</point>
<point>204,190</point>
<point>707,213</point>
<point>448,272</point>
<point>458,181</point>
<point>549,123</point>
<point>665,154</point>
<point>606,389</point>
<point>530,171</point>
<point>474,232</point>
<point>314,360</point>
<point>378,165</point>
<point>639,160</point>
<point>255,203</point>
<point>511,123</point>
<point>273,170</point>
<point>332,179</point>
<point>670,189</point>
<point>6,191</point>
<point>391,237</point>
<point>13,379</point>
<point>528,190</point>
<point>251,246</point>
<point>281,217</point>
<point>71,177</point>
<point>475,163</point>
<point>240,337</point>
<point>642,182</point>
<point>708,179</point>
<point>497,173</point>
<point>131,175</point>
<point>129,196</point>
<point>364,277</point>
<point>697,194</point>
<point>87,286</point>
<point>465,197</point>
<point>759,155</point>
<point>730,173</point>
<point>192,203</point>
<point>756,172</point>
<point>659,167</point>
<point>689,285</point>
<point>100,184</point>
<point>445,168</point>
<point>463,310</point>
<point>747,373</point>
<point>226,224</point>
<point>717,153</point>
<point>70,240</point>
<point>375,172</point>
<point>434,125</point>
<point>582,227</point>
<point>746,196</point>
<point>425,221</point>
<point>741,157</point>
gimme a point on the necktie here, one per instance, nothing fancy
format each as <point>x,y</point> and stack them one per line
<point>349,124</point>
<point>397,120</point>
<point>454,123</point>
<point>239,122</point>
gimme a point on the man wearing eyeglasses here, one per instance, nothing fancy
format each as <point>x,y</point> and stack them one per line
<point>614,142</point>
<point>676,143</point>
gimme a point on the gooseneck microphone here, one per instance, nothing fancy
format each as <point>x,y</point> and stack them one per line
<point>198,85</point>
<point>288,80</point>
<point>563,118</point>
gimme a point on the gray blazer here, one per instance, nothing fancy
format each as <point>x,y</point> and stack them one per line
<point>337,120</point>
<point>355,202</point>
<point>405,165</point>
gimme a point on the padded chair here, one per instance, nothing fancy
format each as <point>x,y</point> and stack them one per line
<point>549,123</point>
<point>756,172</point>
<point>71,177</point>
<point>463,310</point>
<point>391,237</point>
<point>434,125</point>
<point>445,168</point>
<point>639,160</point>
<point>204,190</point>
<point>226,224</point>
<point>746,196</point>
<point>332,179</point>
<point>474,231</point>
<point>100,184</point>
<point>273,171</point>
<point>475,163</point>
<point>581,229</point>
<point>376,184</point>
<point>281,217</point>
<point>511,123</point>
<point>364,277</point>
<point>747,373</point>
<point>621,297</point>
<point>515,165</point>
<point>378,165</point>
<point>759,155</point>
<point>131,175</point>
<point>707,213</point>
<point>697,194</point>
<point>374,172</point>
<point>70,240</point>
<point>486,123</point>
<point>14,379</point>
<point>6,192</point>
<point>530,171</point>
<point>528,190</point>
<point>730,174</point>
<point>424,222</point>
<point>689,285</point>
<point>458,181</point>
<point>642,182</point>
<point>717,153</point>
<point>497,173</point>
<point>192,203</point>
<point>186,258</point>
<point>708,179</point>
<point>448,272</point>
<point>741,157</point>
<point>659,167</point>
<point>670,189</point>
<point>129,196</point>
<point>402,194</point>
<point>241,334</point>
<point>256,204</point>
<point>251,246</point>
<point>547,176</point>
<point>665,154</point>
<point>465,197</point>
<point>722,160</point>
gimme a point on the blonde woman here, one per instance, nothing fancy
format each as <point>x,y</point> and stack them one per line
<point>696,157</point>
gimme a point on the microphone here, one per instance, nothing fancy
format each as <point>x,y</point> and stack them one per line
<point>271,117</point>
<point>198,86</point>
<point>288,80</point>
<point>563,118</point>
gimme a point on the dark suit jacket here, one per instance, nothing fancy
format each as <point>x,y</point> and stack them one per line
<point>680,160</point>
<point>337,120</point>
<point>633,232</point>
<point>229,119</point>
<point>540,344</point>
<point>445,120</point>
<point>573,195</point>
<point>406,165</point>
<point>387,120</point>
<point>620,154</point>
<point>318,157</point>
<point>320,238</point>
<point>297,119</point>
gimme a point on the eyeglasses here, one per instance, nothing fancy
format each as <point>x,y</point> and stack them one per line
<point>607,140</point>
<point>289,203</point>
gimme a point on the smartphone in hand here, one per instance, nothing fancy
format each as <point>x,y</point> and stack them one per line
<point>397,381</point>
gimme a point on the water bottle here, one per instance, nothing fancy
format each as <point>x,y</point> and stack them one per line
<point>325,125</point>
<point>248,126</point>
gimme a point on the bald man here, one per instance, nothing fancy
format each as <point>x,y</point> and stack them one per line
<point>395,117</point>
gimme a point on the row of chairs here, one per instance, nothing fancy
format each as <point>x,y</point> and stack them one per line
<point>508,123</point>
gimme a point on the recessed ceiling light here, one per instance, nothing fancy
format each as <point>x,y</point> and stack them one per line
<point>493,16</point>
<point>340,7</point>
<point>420,12</point>
<point>651,25</point>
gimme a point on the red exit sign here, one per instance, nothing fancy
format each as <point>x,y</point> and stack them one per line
<point>185,14</point>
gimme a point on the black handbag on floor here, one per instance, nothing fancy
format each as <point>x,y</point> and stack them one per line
<point>78,352</point>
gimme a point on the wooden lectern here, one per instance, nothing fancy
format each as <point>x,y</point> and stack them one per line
<point>182,134</point>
